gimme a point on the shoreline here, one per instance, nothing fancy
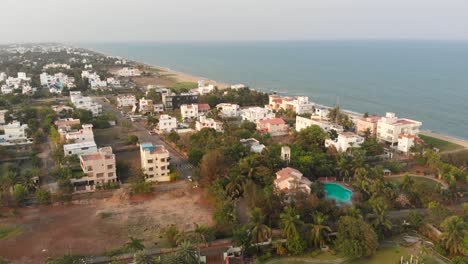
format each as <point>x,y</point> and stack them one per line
<point>186,77</point>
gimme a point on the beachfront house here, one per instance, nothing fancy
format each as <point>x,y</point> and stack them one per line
<point>367,124</point>
<point>129,72</point>
<point>406,141</point>
<point>203,88</point>
<point>290,180</point>
<point>228,110</point>
<point>304,122</point>
<point>253,114</point>
<point>99,169</point>
<point>155,162</point>
<point>272,126</point>
<point>299,104</point>
<point>344,141</point>
<point>390,127</point>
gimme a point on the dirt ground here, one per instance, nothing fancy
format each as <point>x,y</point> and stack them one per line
<point>98,226</point>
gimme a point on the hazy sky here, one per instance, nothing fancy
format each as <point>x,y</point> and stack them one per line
<point>167,20</point>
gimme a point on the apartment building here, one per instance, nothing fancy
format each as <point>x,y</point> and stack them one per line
<point>155,162</point>
<point>228,110</point>
<point>367,124</point>
<point>390,127</point>
<point>99,169</point>
<point>174,101</point>
<point>126,100</point>
<point>273,126</point>
<point>167,123</point>
<point>189,111</point>
<point>253,114</point>
<point>344,141</point>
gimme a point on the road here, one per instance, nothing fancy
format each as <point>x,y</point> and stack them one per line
<point>177,160</point>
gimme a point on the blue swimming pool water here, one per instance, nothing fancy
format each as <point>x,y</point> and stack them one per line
<point>338,192</point>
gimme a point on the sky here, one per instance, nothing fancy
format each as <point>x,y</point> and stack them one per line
<point>230,20</point>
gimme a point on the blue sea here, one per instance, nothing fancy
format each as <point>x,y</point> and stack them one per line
<point>422,80</point>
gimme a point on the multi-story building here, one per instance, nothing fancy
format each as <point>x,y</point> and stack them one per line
<point>15,132</point>
<point>158,108</point>
<point>99,169</point>
<point>228,110</point>
<point>273,126</point>
<point>304,122</point>
<point>367,124</point>
<point>405,142</point>
<point>253,114</point>
<point>146,106</point>
<point>173,101</point>
<point>390,127</point>
<point>289,179</point>
<point>55,66</point>
<point>189,111</point>
<point>66,123</point>
<point>155,162</point>
<point>300,104</point>
<point>126,100</point>
<point>167,123</point>
<point>204,89</point>
<point>85,102</point>
<point>78,149</point>
<point>129,72</point>
<point>204,122</point>
<point>344,141</point>
<point>203,109</point>
<point>83,135</point>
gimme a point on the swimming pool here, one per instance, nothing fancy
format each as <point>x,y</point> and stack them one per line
<point>338,192</point>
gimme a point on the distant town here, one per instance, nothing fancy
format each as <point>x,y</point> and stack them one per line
<point>108,160</point>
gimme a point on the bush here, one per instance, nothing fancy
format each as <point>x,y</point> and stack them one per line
<point>132,139</point>
<point>19,194</point>
<point>141,187</point>
<point>43,196</point>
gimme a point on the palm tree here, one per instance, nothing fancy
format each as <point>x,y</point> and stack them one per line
<point>408,184</point>
<point>260,232</point>
<point>134,245</point>
<point>290,222</point>
<point>342,165</point>
<point>200,233</point>
<point>142,257</point>
<point>319,229</point>
<point>378,217</point>
<point>455,232</point>
<point>186,253</point>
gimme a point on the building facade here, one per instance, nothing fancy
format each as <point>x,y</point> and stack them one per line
<point>390,127</point>
<point>167,123</point>
<point>155,162</point>
<point>253,114</point>
<point>344,141</point>
<point>99,169</point>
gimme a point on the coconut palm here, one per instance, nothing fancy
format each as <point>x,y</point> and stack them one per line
<point>186,253</point>
<point>134,245</point>
<point>455,230</point>
<point>260,232</point>
<point>319,230</point>
<point>200,234</point>
<point>408,184</point>
<point>290,223</point>
<point>378,217</point>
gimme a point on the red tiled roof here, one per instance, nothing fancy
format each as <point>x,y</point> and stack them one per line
<point>272,121</point>
<point>285,174</point>
<point>203,107</point>
<point>405,122</point>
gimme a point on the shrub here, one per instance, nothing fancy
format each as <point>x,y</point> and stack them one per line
<point>43,196</point>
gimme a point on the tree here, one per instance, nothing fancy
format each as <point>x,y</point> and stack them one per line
<point>173,136</point>
<point>260,231</point>
<point>138,184</point>
<point>43,196</point>
<point>290,223</point>
<point>142,257</point>
<point>132,139</point>
<point>355,238</point>
<point>378,216</point>
<point>311,138</point>
<point>172,235</point>
<point>212,166</point>
<point>319,230</point>
<point>407,185</point>
<point>134,245</point>
<point>454,235</point>
<point>186,253</point>
<point>67,259</point>
<point>20,192</point>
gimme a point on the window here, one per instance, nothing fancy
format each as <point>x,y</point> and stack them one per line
<point>109,166</point>
<point>99,175</point>
<point>163,167</point>
<point>163,160</point>
<point>110,174</point>
<point>150,161</point>
<point>90,168</point>
<point>151,169</point>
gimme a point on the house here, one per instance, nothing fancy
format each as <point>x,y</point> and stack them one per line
<point>15,132</point>
<point>158,108</point>
<point>155,162</point>
<point>129,72</point>
<point>253,114</point>
<point>173,101</point>
<point>85,102</point>
<point>204,89</point>
<point>367,124</point>
<point>126,100</point>
<point>299,104</point>
<point>203,108</point>
<point>55,66</point>
<point>238,86</point>
<point>406,141</point>
<point>344,141</point>
<point>66,123</point>
<point>228,110</point>
<point>204,122</point>
<point>273,126</point>
<point>390,127</point>
<point>83,135</point>
<point>189,111</point>
<point>113,82</point>
<point>254,144</point>
<point>304,122</point>
<point>146,106</point>
<point>167,123</point>
<point>289,179</point>
<point>62,110</point>
<point>79,149</point>
<point>99,169</point>
<point>3,76</point>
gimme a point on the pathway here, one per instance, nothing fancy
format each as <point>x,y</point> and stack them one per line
<point>429,177</point>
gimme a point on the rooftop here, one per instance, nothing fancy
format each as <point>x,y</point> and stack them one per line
<point>272,121</point>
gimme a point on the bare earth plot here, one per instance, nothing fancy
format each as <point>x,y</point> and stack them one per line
<point>101,225</point>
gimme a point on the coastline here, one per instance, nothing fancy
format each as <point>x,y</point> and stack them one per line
<point>186,77</point>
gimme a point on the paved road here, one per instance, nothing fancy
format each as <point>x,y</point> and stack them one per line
<point>177,160</point>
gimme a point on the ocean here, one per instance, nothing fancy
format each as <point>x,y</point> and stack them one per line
<point>422,80</point>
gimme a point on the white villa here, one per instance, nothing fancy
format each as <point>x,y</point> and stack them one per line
<point>228,110</point>
<point>204,122</point>
<point>253,114</point>
<point>83,135</point>
<point>390,127</point>
<point>344,141</point>
<point>15,132</point>
<point>80,148</point>
<point>155,162</point>
<point>99,169</point>
<point>167,123</point>
<point>289,179</point>
<point>128,72</point>
<point>300,104</point>
<point>304,122</point>
<point>405,142</point>
<point>126,100</point>
<point>85,102</point>
<point>204,89</point>
<point>189,111</point>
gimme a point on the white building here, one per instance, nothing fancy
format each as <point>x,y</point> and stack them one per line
<point>129,72</point>
<point>113,82</point>
<point>228,110</point>
<point>15,132</point>
<point>238,86</point>
<point>405,142</point>
<point>204,89</point>
<point>146,106</point>
<point>254,144</point>
<point>344,141</point>
<point>155,162</point>
<point>390,127</point>
<point>80,148</point>
<point>99,169</point>
<point>289,179</point>
<point>300,104</point>
<point>304,122</point>
<point>126,100</point>
<point>189,111</point>
<point>253,114</point>
<point>3,76</point>
<point>204,122</point>
<point>85,102</point>
<point>83,135</point>
<point>55,66</point>
<point>167,123</point>
<point>2,118</point>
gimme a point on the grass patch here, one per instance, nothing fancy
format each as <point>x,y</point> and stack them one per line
<point>442,145</point>
<point>418,180</point>
<point>184,86</point>
<point>7,232</point>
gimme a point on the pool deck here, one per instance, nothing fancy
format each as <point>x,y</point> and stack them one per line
<point>343,184</point>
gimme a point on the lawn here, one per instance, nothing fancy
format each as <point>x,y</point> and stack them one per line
<point>184,85</point>
<point>417,180</point>
<point>9,231</point>
<point>442,145</point>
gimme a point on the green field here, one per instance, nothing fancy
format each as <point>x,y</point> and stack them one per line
<point>9,231</point>
<point>442,145</point>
